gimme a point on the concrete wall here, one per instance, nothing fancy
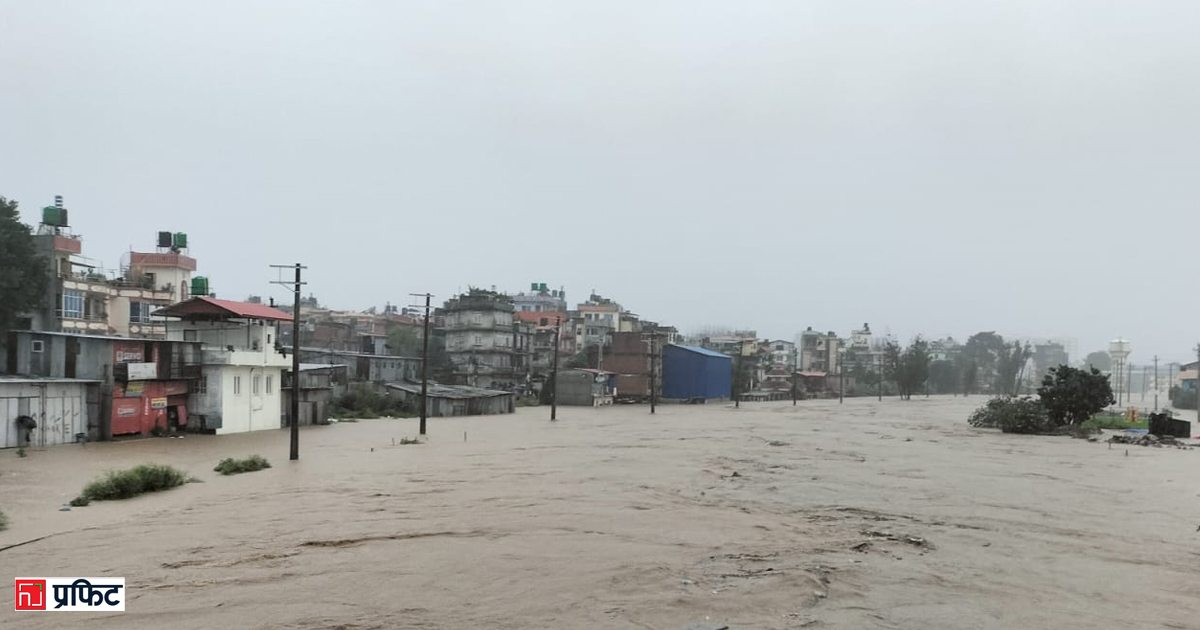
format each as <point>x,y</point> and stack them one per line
<point>232,406</point>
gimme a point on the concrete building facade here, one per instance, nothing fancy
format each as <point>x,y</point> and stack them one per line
<point>242,377</point>
<point>479,339</point>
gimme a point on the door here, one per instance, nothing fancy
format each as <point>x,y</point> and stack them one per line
<point>8,423</point>
<point>72,355</point>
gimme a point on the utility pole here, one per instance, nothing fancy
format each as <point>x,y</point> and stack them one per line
<point>1145,376</point>
<point>424,359</point>
<point>554,370</point>
<point>879,375</point>
<point>1197,382</point>
<point>1156,383</point>
<point>737,380</point>
<point>1128,383</point>
<point>652,340</point>
<point>795,376</point>
<point>841,383</point>
<point>295,418</point>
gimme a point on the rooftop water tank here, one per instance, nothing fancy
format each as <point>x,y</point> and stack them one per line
<point>199,286</point>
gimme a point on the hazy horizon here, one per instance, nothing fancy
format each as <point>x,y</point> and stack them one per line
<point>927,167</point>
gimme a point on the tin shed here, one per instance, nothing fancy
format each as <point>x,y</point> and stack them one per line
<point>696,373</point>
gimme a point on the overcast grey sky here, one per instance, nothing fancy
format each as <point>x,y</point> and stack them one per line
<point>937,167</point>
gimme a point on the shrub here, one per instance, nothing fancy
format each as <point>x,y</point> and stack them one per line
<point>21,452</point>
<point>1183,398</point>
<point>3,522</point>
<point>1072,396</point>
<point>362,401</point>
<point>231,466</point>
<point>123,484</point>
<point>1012,415</point>
<point>80,501</point>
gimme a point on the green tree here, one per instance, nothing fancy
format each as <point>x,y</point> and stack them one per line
<point>1099,360</point>
<point>22,272</point>
<point>943,377</point>
<point>981,355</point>
<point>910,368</point>
<point>1009,365</point>
<point>1072,396</point>
<point>405,341</point>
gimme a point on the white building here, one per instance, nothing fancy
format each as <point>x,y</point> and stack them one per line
<point>783,353</point>
<point>242,373</point>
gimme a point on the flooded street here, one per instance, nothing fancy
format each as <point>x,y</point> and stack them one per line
<point>862,515</point>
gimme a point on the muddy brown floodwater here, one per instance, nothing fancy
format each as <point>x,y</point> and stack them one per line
<point>862,515</point>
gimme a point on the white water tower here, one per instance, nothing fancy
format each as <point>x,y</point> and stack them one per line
<point>1119,350</point>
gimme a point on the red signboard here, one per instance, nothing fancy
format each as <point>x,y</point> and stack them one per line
<point>128,352</point>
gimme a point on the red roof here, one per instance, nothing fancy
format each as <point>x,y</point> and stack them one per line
<point>207,308</point>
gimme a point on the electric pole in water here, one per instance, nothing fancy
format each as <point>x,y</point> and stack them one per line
<point>795,376</point>
<point>554,369</point>
<point>1129,384</point>
<point>879,374</point>
<point>295,411</point>
<point>652,340</point>
<point>1156,383</point>
<point>424,358</point>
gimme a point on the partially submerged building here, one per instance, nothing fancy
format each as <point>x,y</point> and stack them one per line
<point>691,373</point>
<point>585,387</point>
<point>319,386</point>
<point>142,383</point>
<point>455,400</point>
<point>242,371</point>
<point>37,412</point>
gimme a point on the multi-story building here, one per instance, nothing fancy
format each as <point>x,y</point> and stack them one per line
<point>1046,356</point>
<point>143,384</point>
<point>83,297</point>
<point>783,354</point>
<point>820,352</point>
<point>738,343</point>
<point>242,371</point>
<point>629,358</point>
<point>943,349</point>
<point>540,300</point>
<point>479,339</point>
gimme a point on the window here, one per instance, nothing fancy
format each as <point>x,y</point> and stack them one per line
<point>269,379</point>
<point>139,312</point>
<point>72,304</point>
<point>256,385</point>
<point>202,385</point>
<point>237,386</point>
<point>37,346</point>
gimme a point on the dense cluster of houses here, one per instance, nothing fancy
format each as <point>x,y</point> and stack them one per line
<point>148,348</point>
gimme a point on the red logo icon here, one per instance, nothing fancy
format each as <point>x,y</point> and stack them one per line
<point>31,595</point>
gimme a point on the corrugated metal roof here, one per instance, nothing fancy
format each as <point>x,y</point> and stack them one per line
<point>101,337</point>
<point>704,351</point>
<point>41,379</point>
<point>448,391</point>
<point>212,306</point>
